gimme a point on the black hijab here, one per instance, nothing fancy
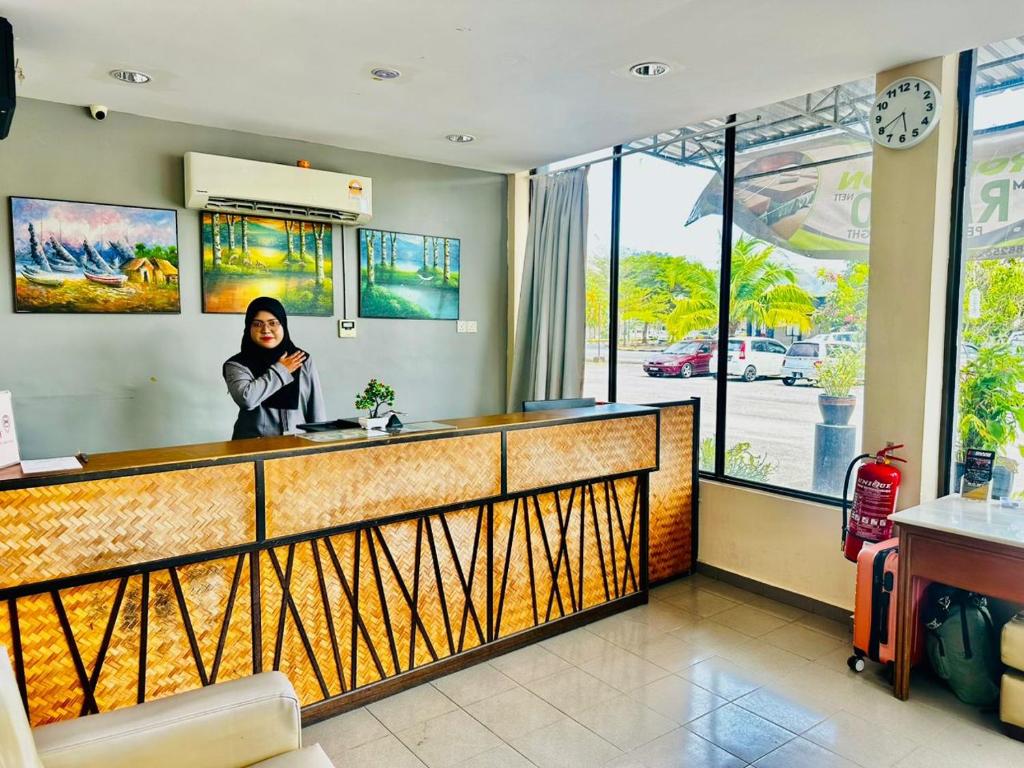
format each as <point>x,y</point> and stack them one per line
<point>259,359</point>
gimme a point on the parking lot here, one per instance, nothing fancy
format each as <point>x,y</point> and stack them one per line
<point>775,419</point>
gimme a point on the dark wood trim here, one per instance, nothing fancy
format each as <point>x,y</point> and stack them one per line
<point>105,642</point>
<point>143,638</point>
<point>19,658</point>
<point>226,624</point>
<point>89,705</point>
<point>328,612</point>
<point>322,710</point>
<point>256,612</point>
<point>260,484</point>
<point>187,623</point>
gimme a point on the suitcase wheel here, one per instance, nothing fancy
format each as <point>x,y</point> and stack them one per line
<point>856,663</point>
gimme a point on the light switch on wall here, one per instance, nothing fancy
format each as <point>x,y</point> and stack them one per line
<point>465,326</point>
<point>346,329</point>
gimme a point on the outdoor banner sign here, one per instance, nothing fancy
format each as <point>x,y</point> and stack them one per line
<point>814,198</point>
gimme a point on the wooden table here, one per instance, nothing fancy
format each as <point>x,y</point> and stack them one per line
<point>973,545</point>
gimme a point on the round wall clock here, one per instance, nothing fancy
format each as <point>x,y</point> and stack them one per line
<point>904,113</point>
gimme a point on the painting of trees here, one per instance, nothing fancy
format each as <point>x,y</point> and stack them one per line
<point>300,276</point>
<point>408,276</point>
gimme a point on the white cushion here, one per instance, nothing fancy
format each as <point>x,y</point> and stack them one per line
<point>1011,699</point>
<point>310,757</point>
<point>17,749</point>
<point>1012,644</point>
<point>228,725</point>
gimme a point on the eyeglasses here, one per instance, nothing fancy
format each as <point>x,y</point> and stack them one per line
<point>270,325</point>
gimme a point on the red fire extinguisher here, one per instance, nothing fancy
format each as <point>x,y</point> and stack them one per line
<point>874,499</point>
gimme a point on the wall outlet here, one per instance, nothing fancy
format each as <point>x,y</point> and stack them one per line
<point>471,326</point>
<point>460,326</point>
<point>346,329</point>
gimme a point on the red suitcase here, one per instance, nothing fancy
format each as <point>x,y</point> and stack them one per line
<point>874,613</point>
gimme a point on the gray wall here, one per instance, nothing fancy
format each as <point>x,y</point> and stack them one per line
<point>113,382</point>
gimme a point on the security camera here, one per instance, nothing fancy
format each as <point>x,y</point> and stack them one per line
<point>98,111</point>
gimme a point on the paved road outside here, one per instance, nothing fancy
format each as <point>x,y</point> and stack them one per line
<point>775,419</point>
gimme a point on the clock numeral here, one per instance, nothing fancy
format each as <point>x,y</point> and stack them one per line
<point>924,121</point>
<point>889,138</point>
<point>917,86</point>
<point>881,131</point>
<point>903,138</point>
<point>927,94</point>
<point>916,132</point>
<point>878,118</point>
<point>904,87</point>
<point>882,105</point>
<point>929,107</point>
<point>891,93</point>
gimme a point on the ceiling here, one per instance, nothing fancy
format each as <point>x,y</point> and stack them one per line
<point>534,80</point>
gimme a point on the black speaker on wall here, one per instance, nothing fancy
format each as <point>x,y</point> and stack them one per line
<point>6,77</point>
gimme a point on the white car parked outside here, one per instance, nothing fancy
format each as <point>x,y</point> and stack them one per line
<point>751,357</point>
<point>804,358</point>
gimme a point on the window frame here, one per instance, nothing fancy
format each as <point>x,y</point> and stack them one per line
<point>966,78</point>
<point>716,474</point>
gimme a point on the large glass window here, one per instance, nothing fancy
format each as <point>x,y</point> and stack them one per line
<point>796,241</point>
<point>598,284</point>
<point>670,245</point>
<point>989,396</point>
<point>798,289</point>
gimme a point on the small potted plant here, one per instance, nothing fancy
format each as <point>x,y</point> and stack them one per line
<point>837,377</point>
<point>376,395</point>
<point>991,411</point>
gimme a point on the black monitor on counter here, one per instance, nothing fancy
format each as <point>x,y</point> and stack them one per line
<point>557,405</point>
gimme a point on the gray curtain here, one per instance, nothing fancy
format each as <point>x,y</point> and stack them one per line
<point>551,326</point>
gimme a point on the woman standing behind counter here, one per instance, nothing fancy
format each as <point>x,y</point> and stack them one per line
<point>274,383</point>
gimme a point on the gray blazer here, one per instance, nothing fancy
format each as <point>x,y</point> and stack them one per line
<point>248,391</point>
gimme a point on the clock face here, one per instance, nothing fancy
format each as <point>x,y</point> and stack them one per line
<point>904,113</point>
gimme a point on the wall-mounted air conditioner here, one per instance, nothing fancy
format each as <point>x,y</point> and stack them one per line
<point>231,185</point>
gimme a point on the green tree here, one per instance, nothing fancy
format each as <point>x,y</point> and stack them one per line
<point>998,288</point>
<point>647,290</point>
<point>762,292</point>
<point>598,299</point>
<point>846,306</point>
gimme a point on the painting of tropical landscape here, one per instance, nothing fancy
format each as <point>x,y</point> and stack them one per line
<point>405,276</point>
<point>93,258</point>
<point>245,257</point>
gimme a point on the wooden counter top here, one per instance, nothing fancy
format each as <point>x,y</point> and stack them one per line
<point>267,447</point>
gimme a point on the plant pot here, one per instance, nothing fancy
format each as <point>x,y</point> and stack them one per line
<point>836,411</point>
<point>369,423</point>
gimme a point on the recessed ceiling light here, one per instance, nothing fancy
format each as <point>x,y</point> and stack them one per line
<point>460,138</point>
<point>649,69</point>
<point>385,73</point>
<point>130,76</point>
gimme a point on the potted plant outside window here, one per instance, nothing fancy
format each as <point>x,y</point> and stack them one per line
<point>837,377</point>
<point>376,395</point>
<point>991,411</point>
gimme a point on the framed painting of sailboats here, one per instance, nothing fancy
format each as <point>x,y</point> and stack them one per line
<point>93,258</point>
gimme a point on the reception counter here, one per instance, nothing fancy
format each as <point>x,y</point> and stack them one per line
<point>357,567</point>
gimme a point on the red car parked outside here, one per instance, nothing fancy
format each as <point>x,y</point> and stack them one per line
<point>684,359</point>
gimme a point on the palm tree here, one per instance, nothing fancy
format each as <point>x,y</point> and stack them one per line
<point>762,292</point>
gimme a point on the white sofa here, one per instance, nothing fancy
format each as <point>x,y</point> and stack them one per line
<point>250,722</point>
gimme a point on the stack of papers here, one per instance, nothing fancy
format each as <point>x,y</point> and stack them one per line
<point>46,466</point>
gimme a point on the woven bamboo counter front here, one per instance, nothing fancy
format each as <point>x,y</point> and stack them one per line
<point>357,568</point>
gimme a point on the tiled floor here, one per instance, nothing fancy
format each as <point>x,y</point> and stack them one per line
<point>706,675</point>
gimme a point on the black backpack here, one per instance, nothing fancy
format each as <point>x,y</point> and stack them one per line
<point>963,645</point>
